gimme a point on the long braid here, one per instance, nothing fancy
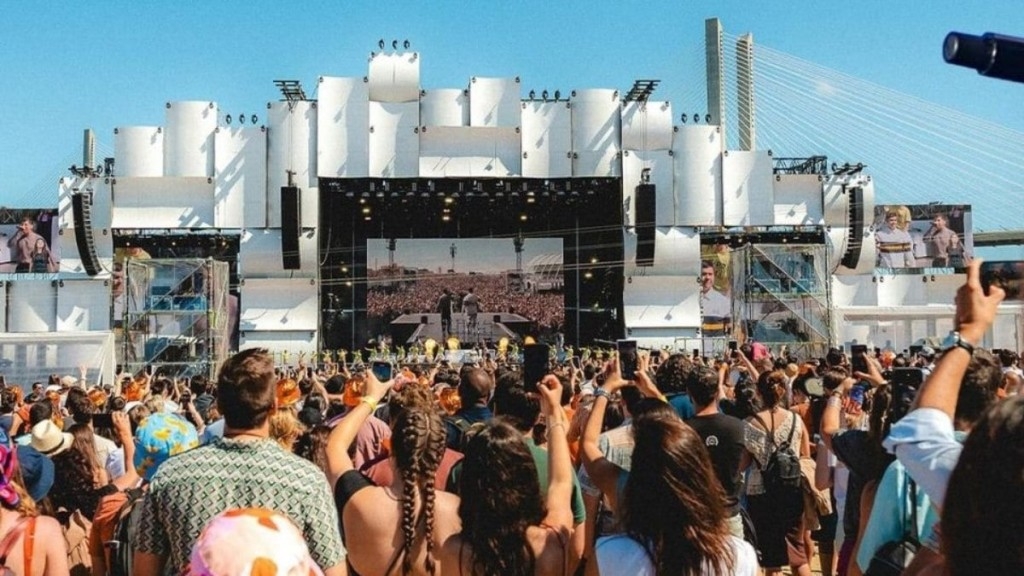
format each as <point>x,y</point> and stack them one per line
<point>418,453</point>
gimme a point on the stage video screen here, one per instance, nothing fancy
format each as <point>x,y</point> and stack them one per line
<point>716,290</point>
<point>476,289</point>
<point>923,238</point>
<point>28,242</point>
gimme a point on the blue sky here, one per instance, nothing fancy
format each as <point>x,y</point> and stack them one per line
<point>70,66</point>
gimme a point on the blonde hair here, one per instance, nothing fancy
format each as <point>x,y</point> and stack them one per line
<point>285,428</point>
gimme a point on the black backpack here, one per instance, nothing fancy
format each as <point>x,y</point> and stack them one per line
<point>781,472</point>
<point>119,546</point>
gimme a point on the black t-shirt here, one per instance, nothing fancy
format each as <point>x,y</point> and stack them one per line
<point>723,437</point>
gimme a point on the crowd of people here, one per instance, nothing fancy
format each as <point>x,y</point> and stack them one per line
<point>737,464</point>
<point>492,293</point>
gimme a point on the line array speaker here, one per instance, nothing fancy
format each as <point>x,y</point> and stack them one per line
<point>644,201</point>
<point>855,232</point>
<point>81,208</point>
<point>291,227</point>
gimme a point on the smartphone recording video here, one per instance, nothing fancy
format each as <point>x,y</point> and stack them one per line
<point>382,370</point>
<point>1007,275</point>
<point>858,358</point>
<point>627,358</point>
<point>905,384</point>
<point>535,365</point>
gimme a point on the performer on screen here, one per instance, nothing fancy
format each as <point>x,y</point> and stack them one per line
<point>23,244</point>
<point>942,243</point>
<point>444,306</point>
<point>470,307</point>
<point>894,244</point>
<point>716,308</point>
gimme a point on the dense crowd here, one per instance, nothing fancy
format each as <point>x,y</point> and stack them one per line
<point>875,463</point>
<point>419,296</point>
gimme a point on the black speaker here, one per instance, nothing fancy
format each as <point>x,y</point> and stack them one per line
<point>291,227</point>
<point>644,201</point>
<point>424,319</point>
<point>497,318</point>
<point>81,208</point>
<point>855,232</point>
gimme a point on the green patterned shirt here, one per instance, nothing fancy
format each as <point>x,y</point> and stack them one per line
<point>191,488</point>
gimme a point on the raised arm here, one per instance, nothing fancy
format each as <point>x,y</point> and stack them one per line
<point>603,473</point>
<point>559,511</point>
<point>344,433</point>
<point>123,427</point>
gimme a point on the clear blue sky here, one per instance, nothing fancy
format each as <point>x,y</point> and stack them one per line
<point>70,66</point>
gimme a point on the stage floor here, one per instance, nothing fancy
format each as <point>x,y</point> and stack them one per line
<point>490,326</point>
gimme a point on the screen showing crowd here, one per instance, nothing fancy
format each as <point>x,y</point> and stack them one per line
<point>28,242</point>
<point>912,237</point>
<point>458,279</point>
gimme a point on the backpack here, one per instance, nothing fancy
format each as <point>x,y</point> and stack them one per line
<point>119,547</point>
<point>465,432</point>
<point>893,557</point>
<point>781,472</point>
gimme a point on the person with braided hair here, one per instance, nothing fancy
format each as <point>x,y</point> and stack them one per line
<point>508,529</point>
<point>393,529</point>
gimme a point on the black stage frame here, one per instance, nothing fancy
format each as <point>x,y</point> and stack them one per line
<point>586,213</point>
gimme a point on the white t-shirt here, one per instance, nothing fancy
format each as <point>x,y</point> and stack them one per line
<point>621,555</point>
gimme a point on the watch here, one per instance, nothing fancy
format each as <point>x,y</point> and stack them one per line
<point>954,340</point>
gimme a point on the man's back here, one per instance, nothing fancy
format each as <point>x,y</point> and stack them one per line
<point>193,487</point>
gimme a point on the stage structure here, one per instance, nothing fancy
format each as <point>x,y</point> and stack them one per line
<point>176,316</point>
<point>652,211</point>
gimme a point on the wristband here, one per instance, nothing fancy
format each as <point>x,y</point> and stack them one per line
<point>602,393</point>
<point>369,402</point>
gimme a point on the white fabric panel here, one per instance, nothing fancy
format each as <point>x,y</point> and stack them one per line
<point>188,138</point>
<point>293,343</point>
<point>494,102</point>
<point>747,188</point>
<point>33,306</point>
<point>596,133</point>
<point>469,152</point>
<point>163,202</point>
<point>661,301</point>
<point>101,199</point>
<point>259,255</point>
<point>395,77</point>
<point>278,304</point>
<point>900,290</point>
<point>343,128</point>
<point>697,153</point>
<point>547,139</point>
<point>798,200</point>
<point>660,164</point>
<point>83,306</point>
<point>942,290</point>
<point>676,252</point>
<point>240,181</point>
<point>310,207</point>
<point>71,261</point>
<point>854,291</point>
<point>3,307</point>
<point>291,145</point>
<point>139,151</point>
<point>444,107</point>
<point>394,140</point>
<point>835,204</point>
<point>647,126</point>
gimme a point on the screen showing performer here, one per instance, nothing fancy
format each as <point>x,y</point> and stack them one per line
<point>910,238</point>
<point>27,246</point>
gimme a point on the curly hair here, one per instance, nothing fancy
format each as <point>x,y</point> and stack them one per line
<point>501,498</point>
<point>418,442</point>
<point>673,503</point>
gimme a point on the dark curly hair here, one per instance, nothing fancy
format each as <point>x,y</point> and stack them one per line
<point>501,498</point>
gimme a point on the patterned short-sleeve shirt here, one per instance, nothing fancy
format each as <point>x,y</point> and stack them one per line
<point>191,488</point>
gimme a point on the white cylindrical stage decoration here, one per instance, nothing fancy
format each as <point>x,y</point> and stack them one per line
<point>394,140</point>
<point>646,125</point>
<point>697,157</point>
<point>291,146</point>
<point>139,151</point>
<point>240,182</point>
<point>188,138</point>
<point>395,77</point>
<point>36,308</point>
<point>596,131</point>
<point>444,107</point>
<point>343,123</point>
<point>547,139</point>
<point>494,102</point>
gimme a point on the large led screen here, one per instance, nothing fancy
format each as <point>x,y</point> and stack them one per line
<point>478,289</point>
<point>28,242</point>
<point>923,238</point>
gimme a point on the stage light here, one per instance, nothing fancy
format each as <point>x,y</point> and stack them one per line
<point>683,118</point>
<point>533,95</point>
<point>381,44</point>
<point>544,95</point>
<point>365,195</point>
<point>241,118</point>
<point>593,260</point>
<point>696,118</point>
<point>394,44</point>
<point>588,275</point>
<point>349,194</point>
<point>253,119</point>
<point>522,217</point>
<point>405,44</point>
<point>448,199</point>
<point>227,119</point>
<point>558,95</point>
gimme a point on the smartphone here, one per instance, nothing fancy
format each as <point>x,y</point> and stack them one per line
<point>858,359</point>
<point>905,384</point>
<point>696,352</point>
<point>535,365</point>
<point>149,369</point>
<point>1007,275</point>
<point>382,370</point>
<point>119,369</point>
<point>102,420</point>
<point>627,358</point>
<point>915,350</point>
